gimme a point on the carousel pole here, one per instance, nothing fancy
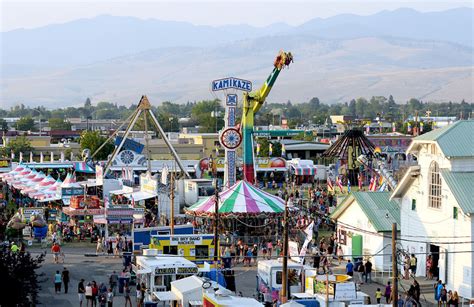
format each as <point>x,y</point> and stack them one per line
<point>284,288</point>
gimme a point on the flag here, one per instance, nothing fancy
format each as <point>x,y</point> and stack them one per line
<point>394,127</point>
<point>348,186</point>
<point>330,186</point>
<point>383,187</point>
<point>421,126</point>
<point>123,173</point>
<point>31,157</point>
<point>21,157</point>
<point>164,175</point>
<point>258,149</point>
<point>381,180</point>
<point>359,179</point>
<point>270,149</point>
<point>367,129</point>
<point>371,184</point>
<point>283,150</point>
<point>52,157</point>
<point>409,127</point>
<point>12,155</point>
<point>41,157</point>
<point>339,183</point>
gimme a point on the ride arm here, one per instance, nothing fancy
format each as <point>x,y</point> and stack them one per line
<point>283,59</point>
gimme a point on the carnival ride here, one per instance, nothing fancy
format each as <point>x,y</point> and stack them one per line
<point>143,111</point>
<point>252,102</point>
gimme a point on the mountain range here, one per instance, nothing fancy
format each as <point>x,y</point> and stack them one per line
<point>403,52</point>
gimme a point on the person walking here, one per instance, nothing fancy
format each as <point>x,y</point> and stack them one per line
<point>65,276</point>
<point>378,295</point>
<point>368,271</point>
<point>349,268</point>
<point>99,247</point>
<point>360,271</point>
<point>113,281</point>
<point>413,264</point>
<point>56,250</point>
<point>80,292</point>
<point>388,293</point>
<point>110,298</point>
<point>126,294</point>
<point>57,282</point>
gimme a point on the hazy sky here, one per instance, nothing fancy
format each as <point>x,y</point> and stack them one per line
<point>29,14</point>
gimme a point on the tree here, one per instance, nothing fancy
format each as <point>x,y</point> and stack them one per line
<point>202,112</point>
<point>25,124</point>
<point>265,147</point>
<point>17,145</point>
<point>59,124</point>
<point>3,125</point>
<point>88,103</point>
<point>20,279</point>
<point>92,140</point>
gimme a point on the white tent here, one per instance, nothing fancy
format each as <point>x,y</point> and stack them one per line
<point>291,304</point>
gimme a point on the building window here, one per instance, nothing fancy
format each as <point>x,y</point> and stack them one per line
<point>413,204</point>
<point>434,189</point>
<point>455,213</point>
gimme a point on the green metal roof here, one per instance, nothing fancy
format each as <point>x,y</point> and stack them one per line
<point>456,140</point>
<point>461,185</point>
<point>377,206</point>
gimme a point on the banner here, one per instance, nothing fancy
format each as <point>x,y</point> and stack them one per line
<point>148,184</point>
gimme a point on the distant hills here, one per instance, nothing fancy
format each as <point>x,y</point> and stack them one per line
<point>403,52</point>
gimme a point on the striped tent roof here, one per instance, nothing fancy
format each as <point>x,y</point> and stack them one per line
<point>241,198</point>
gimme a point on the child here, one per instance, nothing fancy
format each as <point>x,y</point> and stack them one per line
<point>378,295</point>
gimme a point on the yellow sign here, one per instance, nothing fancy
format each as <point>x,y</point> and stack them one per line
<point>148,184</point>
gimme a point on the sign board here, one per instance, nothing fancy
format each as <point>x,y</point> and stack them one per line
<point>186,240</point>
<point>345,291</point>
<point>231,100</point>
<point>28,212</point>
<point>99,175</point>
<point>72,191</point>
<point>52,214</point>
<point>129,144</point>
<point>148,184</point>
<point>235,83</point>
<point>260,163</point>
<point>165,271</point>
<point>293,251</point>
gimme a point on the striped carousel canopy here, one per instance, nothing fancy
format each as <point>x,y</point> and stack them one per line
<point>241,198</point>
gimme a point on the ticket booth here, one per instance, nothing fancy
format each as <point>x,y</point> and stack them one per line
<point>197,248</point>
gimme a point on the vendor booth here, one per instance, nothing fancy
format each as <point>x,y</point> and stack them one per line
<point>157,272</point>
<point>198,248</point>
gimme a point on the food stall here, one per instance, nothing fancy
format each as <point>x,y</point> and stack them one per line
<point>198,248</point>
<point>158,271</point>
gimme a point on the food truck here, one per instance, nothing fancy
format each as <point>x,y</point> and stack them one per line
<point>198,248</point>
<point>158,271</point>
<point>270,277</point>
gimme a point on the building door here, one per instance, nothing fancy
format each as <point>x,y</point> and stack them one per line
<point>434,251</point>
<point>357,247</point>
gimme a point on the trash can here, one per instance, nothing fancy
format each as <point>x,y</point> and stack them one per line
<point>126,258</point>
<point>227,262</point>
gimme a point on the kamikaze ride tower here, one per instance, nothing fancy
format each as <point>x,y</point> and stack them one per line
<point>252,102</point>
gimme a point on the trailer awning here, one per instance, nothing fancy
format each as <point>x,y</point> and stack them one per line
<point>140,195</point>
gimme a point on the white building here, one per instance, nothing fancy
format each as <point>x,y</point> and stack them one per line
<point>437,203</point>
<point>364,226</point>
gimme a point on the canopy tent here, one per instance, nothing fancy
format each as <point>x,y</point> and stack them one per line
<point>140,195</point>
<point>240,199</point>
<point>304,170</point>
<point>50,191</point>
<point>43,184</point>
<point>12,173</point>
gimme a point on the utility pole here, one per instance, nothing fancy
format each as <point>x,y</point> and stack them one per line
<point>172,204</point>
<point>284,285</point>
<point>216,226</point>
<point>394,266</point>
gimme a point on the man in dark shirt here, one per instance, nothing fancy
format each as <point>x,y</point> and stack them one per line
<point>65,277</point>
<point>80,292</point>
<point>368,271</point>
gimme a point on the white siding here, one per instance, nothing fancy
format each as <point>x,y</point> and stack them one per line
<point>426,225</point>
<point>372,243</point>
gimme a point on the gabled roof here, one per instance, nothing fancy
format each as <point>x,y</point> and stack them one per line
<point>379,209</point>
<point>461,185</point>
<point>455,140</point>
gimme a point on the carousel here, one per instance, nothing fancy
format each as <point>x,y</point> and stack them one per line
<point>243,209</point>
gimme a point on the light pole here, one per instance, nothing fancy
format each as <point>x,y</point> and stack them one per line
<point>40,113</point>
